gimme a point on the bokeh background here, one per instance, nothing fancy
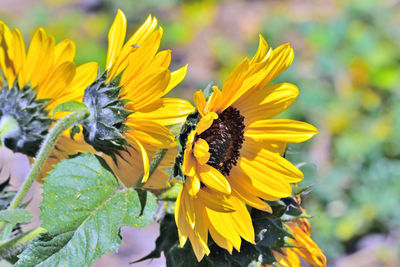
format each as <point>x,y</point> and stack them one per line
<point>347,67</point>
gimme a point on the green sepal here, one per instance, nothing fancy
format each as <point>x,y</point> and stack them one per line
<point>189,125</point>
<point>208,90</point>
<point>104,127</point>
<point>297,190</point>
<point>70,106</point>
<point>30,114</point>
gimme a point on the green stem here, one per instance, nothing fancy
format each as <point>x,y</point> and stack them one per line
<point>11,248</point>
<point>155,161</point>
<point>42,155</point>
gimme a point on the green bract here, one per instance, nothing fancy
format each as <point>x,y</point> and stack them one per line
<point>30,115</point>
<point>105,124</point>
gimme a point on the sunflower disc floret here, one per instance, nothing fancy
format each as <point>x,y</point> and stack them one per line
<point>31,116</point>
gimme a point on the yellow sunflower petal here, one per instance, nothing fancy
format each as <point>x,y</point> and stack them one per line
<point>189,162</point>
<point>193,183</point>
<point>188,165</point>
<point>140,60</point>
<point>200,151</point>
<point>222,223</point>
<point>273,164</point>
<point>215,102</point>
<point>249,174</point>
<point>206,122</point>
<point>240,181</point>
<point>162,59</point>
<point>234,81</point>
<point>280,130</point>
<point>6,46</point>
<point>219,239</point>
<point>188,207</point>
<point>44,63</point>
<point>129,166</point>
<point>145,158</point>
<point>250,199</point>
<point>242,221</point>
<point>165,111</point>
<point>64,51</point>
<point>56,83</point>
<point>116,37</point>
<point>200,102</point>
<point>248,85</point>
<point>19,53</point>
<point>281,58</point>
<point>34,53</point>
<point>149,132</point>
<point>214,201</point>
<point>262,51</point>
<point>267,102</point>
<point>136,40</point>
<point>257,172</point>
<point>147,89</point>
<point>288,258</point>
<point>183,226</point>
<point>212,178</point>
<point>176,77</point>
<point>201,227</point>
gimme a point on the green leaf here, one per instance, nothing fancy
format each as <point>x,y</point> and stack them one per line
<point>15,216</point>
<point>70,106</point>
<point>83,209</point>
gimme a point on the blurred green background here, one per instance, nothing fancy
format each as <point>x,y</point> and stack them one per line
<point>347,67</point>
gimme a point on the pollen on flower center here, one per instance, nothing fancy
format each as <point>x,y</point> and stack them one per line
<point>225,138</point>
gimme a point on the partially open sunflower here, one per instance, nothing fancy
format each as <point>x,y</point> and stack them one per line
<point>303,245</point>
<point>232,157</point>
<point>35,82</point>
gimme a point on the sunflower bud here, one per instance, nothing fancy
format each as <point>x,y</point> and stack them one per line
<point>105,124</point>
<point>24,121</point>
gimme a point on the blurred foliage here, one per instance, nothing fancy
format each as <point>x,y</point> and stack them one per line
<point>347,67</point>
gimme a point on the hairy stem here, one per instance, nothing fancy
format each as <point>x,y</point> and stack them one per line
<point>45,149</point>
<point>11,248</point>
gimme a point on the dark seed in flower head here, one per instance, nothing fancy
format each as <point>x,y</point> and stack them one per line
<point>225,138</point>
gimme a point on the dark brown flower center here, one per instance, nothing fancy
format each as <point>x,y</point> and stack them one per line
<point>225,138</point>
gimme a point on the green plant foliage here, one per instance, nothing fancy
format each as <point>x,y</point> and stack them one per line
<point>15,216</point>
<point>70,106</point>
<point>189,125</point>
<point>31,116</point>
<point>105,124</point>
<point>271,235</point>
<point>83,209</point>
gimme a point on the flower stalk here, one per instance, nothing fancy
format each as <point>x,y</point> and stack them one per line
<point>45,149</point>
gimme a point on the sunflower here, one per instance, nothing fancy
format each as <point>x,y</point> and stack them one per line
<point>305,246</point>
<point>129,112</point>
<point>232,157</point>
<point>35,82</point>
